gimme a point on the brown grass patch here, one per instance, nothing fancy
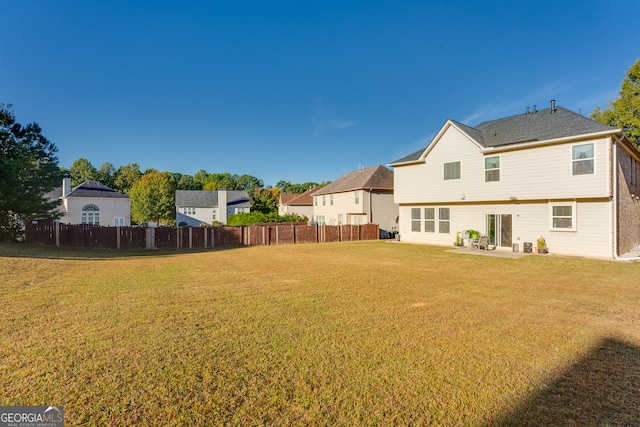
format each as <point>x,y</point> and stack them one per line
<point>363,333</point>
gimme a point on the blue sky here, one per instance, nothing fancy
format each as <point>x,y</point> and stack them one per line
<point>297,90</point>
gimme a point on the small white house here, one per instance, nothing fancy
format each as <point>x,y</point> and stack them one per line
<point>550,173</point>
<point>92,203</point>
<point>196,207</point>
<point>363,196</point>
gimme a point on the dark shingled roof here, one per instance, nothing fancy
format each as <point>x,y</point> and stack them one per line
<point>374,177</point>
<point>94,189</point>
<point>208,198</point>
<point>541,125</point>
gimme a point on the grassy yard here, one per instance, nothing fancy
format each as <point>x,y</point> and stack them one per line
<point>369,333</point>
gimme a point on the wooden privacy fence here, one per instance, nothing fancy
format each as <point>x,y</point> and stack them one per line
<point>94,236</point>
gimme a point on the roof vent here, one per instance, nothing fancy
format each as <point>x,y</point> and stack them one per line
<point>527,110</point>
<point>553,106</point>
<point>534,109</point>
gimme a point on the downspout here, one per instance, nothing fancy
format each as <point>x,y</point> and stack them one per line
<point>370,207</point>
<point>616,256</point>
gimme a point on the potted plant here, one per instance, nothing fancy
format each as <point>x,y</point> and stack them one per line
<point>458,241</point>
<point>541,243</point>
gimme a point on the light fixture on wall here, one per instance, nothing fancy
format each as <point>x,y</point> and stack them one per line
<point>462,197</point>
<point>513,198</point>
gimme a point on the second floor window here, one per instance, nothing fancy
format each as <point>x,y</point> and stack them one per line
<point>492,168</point>
<point>582,157</point>
<point>357,197</point>
<point>452,170</point>
<point>189,211</point>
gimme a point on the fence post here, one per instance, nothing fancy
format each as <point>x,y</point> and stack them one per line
<point>57,231</point>
<point>150,234</point>
<point>190,237</point>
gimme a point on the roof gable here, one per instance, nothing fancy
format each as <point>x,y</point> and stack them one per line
<point>208,198</point>
<point>372,178</point>
<point>302,199</point>
<point>542,125</point>
<point>94,189</point>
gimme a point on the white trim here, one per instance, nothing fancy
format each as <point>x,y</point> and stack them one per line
<point>574,216</point>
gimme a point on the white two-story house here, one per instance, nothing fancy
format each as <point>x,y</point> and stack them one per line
<point>550,173</point>
<point>363,196</point>
<point>197,207</point>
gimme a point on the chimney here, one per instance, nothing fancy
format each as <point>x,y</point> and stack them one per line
<point>553,106</point>
<point>66,186</point>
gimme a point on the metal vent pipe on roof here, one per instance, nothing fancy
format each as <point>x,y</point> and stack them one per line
<point>553,106</point>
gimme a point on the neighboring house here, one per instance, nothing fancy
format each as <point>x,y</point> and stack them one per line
<point>360,197</point>
<point>196,207</point>
<point>550,173</point>
<point>92,203</point>
<point>300,204</point>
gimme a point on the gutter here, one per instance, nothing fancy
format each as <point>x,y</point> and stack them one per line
<point>616,256</point>
<point>525,145</point>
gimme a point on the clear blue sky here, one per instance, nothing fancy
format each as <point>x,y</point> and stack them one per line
<point>297,90</point>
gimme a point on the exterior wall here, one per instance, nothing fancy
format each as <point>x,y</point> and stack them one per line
<point>383,211</point>
<point>535,173</point>
<point>202,216</point>
<point>592,236</point>
<point>110,208</point>
<point>296,209</point>
<point>628,199</point>
<point>343,204</point>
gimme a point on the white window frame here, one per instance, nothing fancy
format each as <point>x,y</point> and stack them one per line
<point>416,219</point>
<point>576,161</point>
<point>90,214</point>
<point>189,211</point>
<point>357,193</point>
<point>442,221</point>
<point>573,216</point>
<point>331,199</point>
<point>489,171</point>
<point>452,170</point>
<point>320,219</point>
<point>430,220</point>
<point>118,221</point>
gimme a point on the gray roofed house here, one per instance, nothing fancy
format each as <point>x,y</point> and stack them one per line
<point>92,203</point>
<point>551,173</point>
<point>196,207</point>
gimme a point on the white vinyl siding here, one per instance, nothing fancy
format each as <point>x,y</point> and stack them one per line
<point>546,166</point>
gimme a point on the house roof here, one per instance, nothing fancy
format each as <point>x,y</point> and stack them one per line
<point>92,189</point>
<point>542,125</point>
<point>372,178</point>
<point>302,199</point>
<point>208,198</point>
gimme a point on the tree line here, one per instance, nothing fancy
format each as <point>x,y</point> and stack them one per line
<point>29,169</point>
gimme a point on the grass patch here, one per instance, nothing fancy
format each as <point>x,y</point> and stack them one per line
<point>363,333</point>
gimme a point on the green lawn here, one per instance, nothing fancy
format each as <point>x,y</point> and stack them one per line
<point>367,333</point>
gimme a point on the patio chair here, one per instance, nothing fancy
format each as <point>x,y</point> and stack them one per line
<point>474,244</point>
<point>483,243</point>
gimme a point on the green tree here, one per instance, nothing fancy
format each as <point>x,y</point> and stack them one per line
<point>107,175</point>
<point>81,171</point>
<point>186,182</point>
<point>153,198</point>
<point>126,176</point>
<point>624,111</point>
<point>265,200</point>
<point>289,188</point>
<point>29,169</point>
<point>258,217</point>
